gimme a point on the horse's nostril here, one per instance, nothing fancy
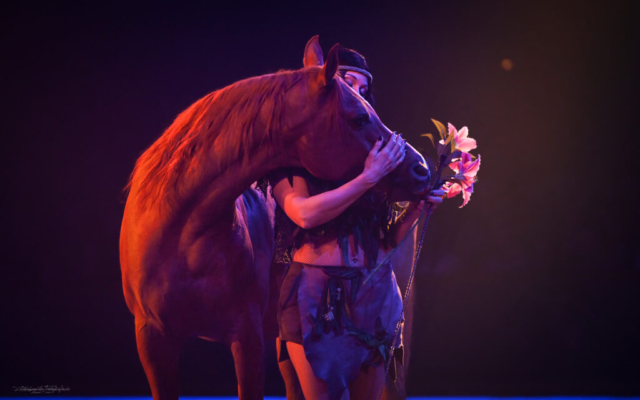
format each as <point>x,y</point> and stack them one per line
<point>420,170</point>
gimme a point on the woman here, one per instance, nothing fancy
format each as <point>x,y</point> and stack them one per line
<point>337,332</point>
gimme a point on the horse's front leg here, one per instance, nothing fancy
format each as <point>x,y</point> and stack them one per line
<point>159,357</point>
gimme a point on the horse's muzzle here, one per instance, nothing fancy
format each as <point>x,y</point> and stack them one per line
<point>413,174</point>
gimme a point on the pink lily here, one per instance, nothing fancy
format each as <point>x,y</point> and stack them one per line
<point>463,142</point>
<point>466,171</point>
<point>453,189</point>
<point>465,168</point>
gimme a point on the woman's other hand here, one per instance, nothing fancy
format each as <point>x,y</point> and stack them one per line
<point>434,198</point>
<point>380,162</point>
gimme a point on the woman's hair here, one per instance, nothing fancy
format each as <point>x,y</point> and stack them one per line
<point>354,59</point>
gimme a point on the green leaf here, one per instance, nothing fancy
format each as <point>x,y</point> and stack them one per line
<point>430,136</point>
<point>449,139</point>
<point>441,128</point>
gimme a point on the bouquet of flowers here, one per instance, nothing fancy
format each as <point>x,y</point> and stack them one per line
<point>453,150</point>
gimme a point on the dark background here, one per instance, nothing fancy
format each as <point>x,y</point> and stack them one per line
<point>531,289</point>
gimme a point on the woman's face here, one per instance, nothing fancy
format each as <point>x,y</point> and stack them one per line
<point>357,82</point>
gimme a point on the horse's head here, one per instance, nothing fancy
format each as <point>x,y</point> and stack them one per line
<point>334,129</point>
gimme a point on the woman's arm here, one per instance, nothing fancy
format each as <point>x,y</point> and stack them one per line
<point>309,211</point>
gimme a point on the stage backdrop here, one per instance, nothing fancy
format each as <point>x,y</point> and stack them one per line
<point>531,289</point>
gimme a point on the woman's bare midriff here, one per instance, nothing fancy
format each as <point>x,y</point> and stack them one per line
<point>329,254</point>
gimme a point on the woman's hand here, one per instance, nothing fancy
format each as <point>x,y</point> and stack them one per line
<point>380,162</point>
<point>435,198</point>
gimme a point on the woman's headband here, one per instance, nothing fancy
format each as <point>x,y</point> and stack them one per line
<point>356,69</point>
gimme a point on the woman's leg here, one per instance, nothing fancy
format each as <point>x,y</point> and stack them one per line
<point>288,372</point>
<point>313,388</point>
<point>368,384</point>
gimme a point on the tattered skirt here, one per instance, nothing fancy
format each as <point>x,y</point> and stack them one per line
<point>343,325</point>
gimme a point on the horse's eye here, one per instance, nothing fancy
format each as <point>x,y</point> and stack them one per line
<point>360,121</point>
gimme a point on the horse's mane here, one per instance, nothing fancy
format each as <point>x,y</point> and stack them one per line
<point>158,170</point>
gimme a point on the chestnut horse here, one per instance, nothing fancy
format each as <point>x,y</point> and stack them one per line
<point>196,241</point>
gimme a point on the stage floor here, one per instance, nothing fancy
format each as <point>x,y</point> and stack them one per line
<point>283,398</point>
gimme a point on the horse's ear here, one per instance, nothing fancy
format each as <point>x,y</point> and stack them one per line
<point>313,53</point>
<point>331,67</point>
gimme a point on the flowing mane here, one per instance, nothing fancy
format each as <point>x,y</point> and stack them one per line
<point>232,109</point>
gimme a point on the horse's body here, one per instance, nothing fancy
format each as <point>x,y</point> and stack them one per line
<point>196,240</point>
<point>175,294</point>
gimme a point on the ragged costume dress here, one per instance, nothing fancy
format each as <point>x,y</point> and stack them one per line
<point>344,326</point>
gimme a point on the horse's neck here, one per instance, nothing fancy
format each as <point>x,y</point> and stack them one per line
<point>214,204</point>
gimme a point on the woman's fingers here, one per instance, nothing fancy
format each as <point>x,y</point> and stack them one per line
<point>403,145</point>
<point>376,146</point>
<point>395,148</point>
<point>434,200</point>
<point>401,159</point>
<point>389,156</point>
<point>402,153</point>
<point>397,144</point>
<point>389,147</point>
<point>438,193</point>
<point>391,144</point>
